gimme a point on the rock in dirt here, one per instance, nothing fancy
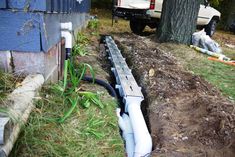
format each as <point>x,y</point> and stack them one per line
<point>151,72</point>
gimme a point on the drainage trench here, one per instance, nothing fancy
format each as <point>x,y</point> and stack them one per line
<point>145,103</point>
<point>135,133</point>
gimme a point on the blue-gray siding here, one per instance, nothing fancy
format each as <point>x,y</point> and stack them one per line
<point>36,31</point>
<point>51,30</point>
<point>3,4</point>
<point>59,6</point>
<point>20,31</point>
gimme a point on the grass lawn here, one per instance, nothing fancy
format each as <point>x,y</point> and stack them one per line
<point>89,132</point>
<point>8,82</point>
<point>220,75</point>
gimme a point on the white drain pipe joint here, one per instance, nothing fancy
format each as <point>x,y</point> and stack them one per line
<point>127,132</point>
<point>68,39</point>
<point>66,26</point>
<point>143,140</point>
<point>66,29</point>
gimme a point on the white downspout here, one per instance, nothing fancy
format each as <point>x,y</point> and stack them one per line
<point>143,140</point>
<point>66,29</point>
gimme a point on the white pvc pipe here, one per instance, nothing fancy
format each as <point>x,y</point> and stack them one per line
<point>66,29</point>
<point>143,140</point>
<point>68,39</point>
<point>66,26</point>
<point>127,132</point>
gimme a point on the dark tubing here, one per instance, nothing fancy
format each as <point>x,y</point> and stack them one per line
<point>68,53</point>
<point>106,85</point>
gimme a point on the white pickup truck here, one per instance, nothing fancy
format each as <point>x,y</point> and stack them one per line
<point>142,13</point>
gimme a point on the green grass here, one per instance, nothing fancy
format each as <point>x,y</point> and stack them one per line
<point>105,23</point>
<point>72,118</point>
<point>87,132</point>
<point>7,85</point>
<point>220,75</point>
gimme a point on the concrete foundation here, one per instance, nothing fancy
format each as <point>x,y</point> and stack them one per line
<point>48,64</point>
<point>5,61</point>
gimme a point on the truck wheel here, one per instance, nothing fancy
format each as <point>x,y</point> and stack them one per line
<point>211,27</point>
<point>137,27</point>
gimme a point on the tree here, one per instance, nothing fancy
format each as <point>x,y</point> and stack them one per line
<point>227,9</point>
<point>178,20</point>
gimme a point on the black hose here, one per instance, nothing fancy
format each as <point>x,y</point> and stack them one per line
<point>106,85</point>
<point>68,53</point>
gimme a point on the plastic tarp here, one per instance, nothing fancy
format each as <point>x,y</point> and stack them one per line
<point>204,41</point>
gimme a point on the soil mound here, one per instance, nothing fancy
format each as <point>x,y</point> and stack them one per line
<point>187,116</point>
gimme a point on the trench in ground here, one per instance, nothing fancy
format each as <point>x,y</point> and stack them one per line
<point>188,116</point>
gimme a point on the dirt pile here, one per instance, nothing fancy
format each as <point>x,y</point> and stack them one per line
<point>187,116</point>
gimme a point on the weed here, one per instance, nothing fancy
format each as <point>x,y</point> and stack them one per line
<point>86,132</point>
<point>74,102</point>
<point>70,88</point>
<point>82,39</point>
<point>66,63</point>
<point>92,126</point>
<point>88,97</point>
<point>7,84</point>
<point>93,24</point>
<point>79,50</point>
<point>81,42</point>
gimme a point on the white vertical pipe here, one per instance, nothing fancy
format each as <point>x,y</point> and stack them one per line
<point>143,140</point>
<point>66,26</point>
<point>68,39</point>
<point>66,29</point>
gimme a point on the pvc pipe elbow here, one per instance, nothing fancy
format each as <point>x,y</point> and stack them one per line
<point>127,132</point>
<point>68,39</point>
<point>124,122</point>
<point>66,26</point>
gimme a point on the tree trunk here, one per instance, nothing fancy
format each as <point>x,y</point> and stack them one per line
<point>227,9</point>
<point>231,12</point>
<point>178,20</point>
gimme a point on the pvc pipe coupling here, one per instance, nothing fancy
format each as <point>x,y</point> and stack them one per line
<point>66,26</point>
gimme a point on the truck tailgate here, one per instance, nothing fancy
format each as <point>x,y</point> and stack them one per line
<point>134,4</point>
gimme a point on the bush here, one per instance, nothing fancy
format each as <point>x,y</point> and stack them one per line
<point>102,4</point>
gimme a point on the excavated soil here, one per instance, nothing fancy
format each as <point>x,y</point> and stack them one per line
<point>186,115</point>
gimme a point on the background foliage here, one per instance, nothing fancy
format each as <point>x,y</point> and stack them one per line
<point>101,4</point>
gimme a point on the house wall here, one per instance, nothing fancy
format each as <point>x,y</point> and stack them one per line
<point>30,34</point>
